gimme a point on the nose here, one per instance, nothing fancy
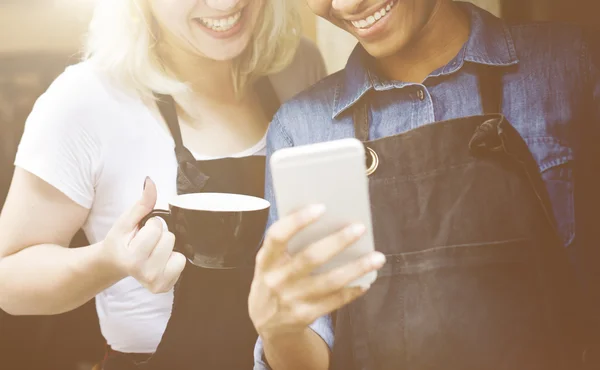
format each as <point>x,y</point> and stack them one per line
<point>346,6</point>
<point>222,5</point>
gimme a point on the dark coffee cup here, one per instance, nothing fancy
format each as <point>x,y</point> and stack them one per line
<point>216,230</point>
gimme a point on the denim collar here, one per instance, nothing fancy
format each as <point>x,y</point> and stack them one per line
<point>490,43</point>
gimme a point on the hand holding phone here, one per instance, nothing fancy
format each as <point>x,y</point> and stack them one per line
<point>332,174</point>
<point>285,296</point>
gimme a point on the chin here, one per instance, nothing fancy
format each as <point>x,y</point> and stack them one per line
<point>223,55</point>
<point>385,48</point>
<point>224,51</point>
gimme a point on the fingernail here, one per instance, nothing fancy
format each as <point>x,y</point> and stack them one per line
<point>163,223</point>
<point>355,230</point>
<point>160,222</point>
<point>145,182</point>
<point>315,211</point>
<point>378,259</point>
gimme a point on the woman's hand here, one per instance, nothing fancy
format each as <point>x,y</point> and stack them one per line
<point>145,254</point>
<point>285,296</point>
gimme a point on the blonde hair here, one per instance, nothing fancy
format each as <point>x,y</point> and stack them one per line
<point>123,34</point>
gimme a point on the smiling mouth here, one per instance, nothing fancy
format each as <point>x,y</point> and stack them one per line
<point>373,19</point>
<point>221,24</point>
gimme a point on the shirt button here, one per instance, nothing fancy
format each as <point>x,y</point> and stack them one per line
<point>421,95</point>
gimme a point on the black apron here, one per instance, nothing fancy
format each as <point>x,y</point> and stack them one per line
<point>210,327</point>
<point>476,276</point>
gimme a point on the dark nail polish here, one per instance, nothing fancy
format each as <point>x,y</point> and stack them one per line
<point>146,181</point>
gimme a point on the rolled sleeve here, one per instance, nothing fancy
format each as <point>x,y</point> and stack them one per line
<point>322,326</point>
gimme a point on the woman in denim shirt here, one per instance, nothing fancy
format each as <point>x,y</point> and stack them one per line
<point>420,62</point>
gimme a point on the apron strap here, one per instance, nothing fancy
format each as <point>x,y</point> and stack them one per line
<point>190,178</point>
<point>490,90</point>
<point>166,105</point>
<point>361,120</point>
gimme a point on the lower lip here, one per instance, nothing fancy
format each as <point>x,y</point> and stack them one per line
<point>223,34</point>
<point>376,29</point>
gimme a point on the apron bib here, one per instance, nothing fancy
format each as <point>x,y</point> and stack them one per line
<point>476,275</point>
<point>209,327</point>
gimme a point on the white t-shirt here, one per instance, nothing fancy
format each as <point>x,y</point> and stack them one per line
<point>97,144</point>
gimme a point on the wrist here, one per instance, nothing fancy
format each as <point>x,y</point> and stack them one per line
<point>272,336</point>
<point>104,262</point>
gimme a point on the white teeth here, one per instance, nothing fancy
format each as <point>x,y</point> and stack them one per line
<point>372,19</point>
<point>223,24</point>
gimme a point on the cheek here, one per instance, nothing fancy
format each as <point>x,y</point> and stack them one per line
<point>256,7</point>
<point>171,13</point>
<point>321,8</point>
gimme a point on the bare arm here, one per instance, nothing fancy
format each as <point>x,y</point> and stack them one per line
<point>40,276</point>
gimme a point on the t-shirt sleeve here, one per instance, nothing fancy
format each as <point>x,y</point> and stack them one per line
<point>58,144</point>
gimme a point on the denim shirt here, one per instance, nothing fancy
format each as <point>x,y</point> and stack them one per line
<point>551,85</point>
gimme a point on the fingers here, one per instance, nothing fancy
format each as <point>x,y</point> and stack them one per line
<point>336,301</point>
<point>173,280</point>
<point>159,270</point>
<point>144,242</point>
<point>129,220</point>
<point>281,232</point>
<point>173,269</point>
<point>168,277</point>
<point>339,278</point>
<point>319,253</point>
<point>157,261</point>
<point>316,288</point>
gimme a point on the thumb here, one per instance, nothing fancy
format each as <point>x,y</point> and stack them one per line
<point>130,219</point>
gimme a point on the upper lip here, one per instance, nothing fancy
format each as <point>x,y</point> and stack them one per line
<point>366,13</point>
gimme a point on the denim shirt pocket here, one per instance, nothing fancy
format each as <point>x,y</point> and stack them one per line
<point>555,162</point>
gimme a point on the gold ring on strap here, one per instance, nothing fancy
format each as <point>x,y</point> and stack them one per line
<point>374,161</point>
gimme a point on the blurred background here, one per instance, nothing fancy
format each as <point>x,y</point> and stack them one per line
<point>38,38</point>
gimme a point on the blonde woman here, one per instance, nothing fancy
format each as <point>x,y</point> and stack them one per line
<point>96,138</point>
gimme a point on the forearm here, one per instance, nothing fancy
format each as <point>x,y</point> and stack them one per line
<point>304,351</point>
<point>50,279</point>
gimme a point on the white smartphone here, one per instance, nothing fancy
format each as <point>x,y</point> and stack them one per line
<point>332,174</point>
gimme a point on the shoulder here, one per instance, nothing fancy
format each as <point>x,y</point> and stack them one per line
<point>550,42</point>
<point>559,56</point>
<point>306,68</point>
<point>312,107</point>
<point>320,96</point>
<point>556,33</point>
<point>80,85</point>
<point>80,96</point>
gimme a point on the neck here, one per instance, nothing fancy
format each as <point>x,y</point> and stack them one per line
<point>207,78</point>
<point>439,41</point>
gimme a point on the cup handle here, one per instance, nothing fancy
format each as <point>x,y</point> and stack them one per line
<point>163,214</point>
